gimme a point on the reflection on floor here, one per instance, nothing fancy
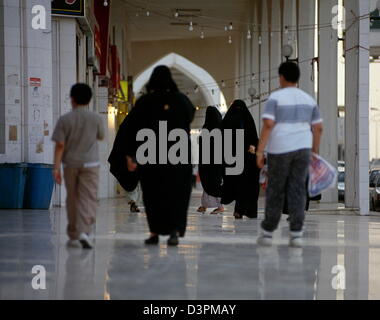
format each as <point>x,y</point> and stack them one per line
<point>218,259</point>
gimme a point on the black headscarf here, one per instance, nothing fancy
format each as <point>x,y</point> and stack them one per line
<point>213,119</point>
<point>239,117</point>
<point>161,80</point>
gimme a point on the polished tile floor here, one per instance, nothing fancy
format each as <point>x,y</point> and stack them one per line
<point>218,259</point>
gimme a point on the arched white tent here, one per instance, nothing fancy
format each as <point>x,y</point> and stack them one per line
<point>211,91</point>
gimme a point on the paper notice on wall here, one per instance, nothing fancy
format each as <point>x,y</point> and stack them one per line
<point>12,133</point>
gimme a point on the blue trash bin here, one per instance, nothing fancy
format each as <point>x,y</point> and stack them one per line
<point>39,186</point>
<point>12,185</point>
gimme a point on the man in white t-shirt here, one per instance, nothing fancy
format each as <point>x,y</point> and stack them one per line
<point>292,129</point>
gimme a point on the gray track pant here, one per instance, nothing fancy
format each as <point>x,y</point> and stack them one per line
<point>287,174</point>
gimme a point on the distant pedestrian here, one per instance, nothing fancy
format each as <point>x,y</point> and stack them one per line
<point>211,173</point>
<point>76,136</point>
<point>133,199</point>
<point>244,189</point>
<point>166,188</point>
<point>292,129</point>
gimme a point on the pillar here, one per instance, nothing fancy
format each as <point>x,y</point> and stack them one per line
<point>289,30</point>
<point>328,89</point>
<point>255,63</point>
<point>248,67</point>
<point>357,107</point>
<point>264,54</point>
<point>306,14</point>
<point>64,76</point>
<point>26,105</point>
<point>275,38</point>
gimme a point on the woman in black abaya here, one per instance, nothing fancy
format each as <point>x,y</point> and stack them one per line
<point>166,188</point>
<point>211,173</point>
<point>244,188</point>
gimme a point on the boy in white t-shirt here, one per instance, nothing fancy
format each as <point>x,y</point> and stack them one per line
<point>292,129</point>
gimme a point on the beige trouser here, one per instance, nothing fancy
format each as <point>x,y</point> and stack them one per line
<point>81,202</point>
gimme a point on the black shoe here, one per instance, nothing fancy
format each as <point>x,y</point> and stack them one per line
<point>134,208</point>
<point>238,216</point>
<point>152,240</point>
<point>173,239</point>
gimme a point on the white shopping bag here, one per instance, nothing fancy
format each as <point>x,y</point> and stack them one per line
<point>322,176</point>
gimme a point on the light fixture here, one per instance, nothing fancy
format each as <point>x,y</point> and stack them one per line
<point>287,51</point>
<point>249,36</point>
<point>202,35</point>
<point>229,39</point>
<point>252,93</point>
<point>191,27</point>
<point>286,30</point>
<point>225,28</point>
<point>176,14</point>
<point>105,3</point>
<point>223,84</point>
<point>253,77</point>
<point>147,13</point>
<point>231,27</point>
<point>260,40</point>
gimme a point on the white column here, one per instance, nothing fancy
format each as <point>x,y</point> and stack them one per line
<point>289,28</point>
<point>241,79</point>
<point>328,89</point>
<point>357,107</point>
<point>306,45</point>
<point>255,63</point>
<point>64,76</point>
<point>36,61</point>
<point>264,53</point>
<point>27,106</point>
<point>248,67</point>
<point>10,82</point>
<point>275,44</point>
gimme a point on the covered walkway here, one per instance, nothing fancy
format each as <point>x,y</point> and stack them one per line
<point>218,259</point>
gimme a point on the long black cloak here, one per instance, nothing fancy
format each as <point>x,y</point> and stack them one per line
<point>166,188</point>
<point>118,161</point>
<point>245,187</point>
<point>211,174</point>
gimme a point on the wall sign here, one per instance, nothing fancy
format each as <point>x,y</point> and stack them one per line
<point>35,82</point>
<point>74,8</point>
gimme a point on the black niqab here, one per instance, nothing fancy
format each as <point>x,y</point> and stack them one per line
<point>243,188</point>
<point>166,188</point>
<point>211,174</point>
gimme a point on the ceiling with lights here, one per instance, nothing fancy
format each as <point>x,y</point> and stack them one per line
<point>181,19</point>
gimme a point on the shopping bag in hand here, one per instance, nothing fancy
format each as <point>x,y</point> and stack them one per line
<point>264,177</point>
<point>323,176</point>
